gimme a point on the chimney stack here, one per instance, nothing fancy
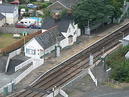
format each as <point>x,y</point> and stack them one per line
<point>0,1</point>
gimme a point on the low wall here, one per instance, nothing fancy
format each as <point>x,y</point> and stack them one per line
<point>14,53</point>
<point>19,43</point>
<point>11,55</point>
<point>16,30</point>
<point>22,65</point>
<point>24,74</point>
<point>36,63</point>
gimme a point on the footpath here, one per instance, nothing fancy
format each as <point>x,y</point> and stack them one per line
<point>52,61</point>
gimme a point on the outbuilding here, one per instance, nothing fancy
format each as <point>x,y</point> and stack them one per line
<point>10,12</point>
<point>43,43</point>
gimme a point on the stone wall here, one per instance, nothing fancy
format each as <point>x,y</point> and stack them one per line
<point>16,30</point>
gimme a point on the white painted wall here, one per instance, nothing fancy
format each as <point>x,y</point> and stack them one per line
<point>74,31</point>
<point>64,43</point>
<point>11,18</point>
<point>37,62</point>
<point>2,22</point>
<point>23,64</point>
<point>48,50</point>
<point>34,45</point>
<point>124,42</point>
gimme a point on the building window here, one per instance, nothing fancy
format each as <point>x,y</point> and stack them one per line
<point>70,39</point>
<point>30,51</point>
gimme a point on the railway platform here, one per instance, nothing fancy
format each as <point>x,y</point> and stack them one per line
<point>52,61</point>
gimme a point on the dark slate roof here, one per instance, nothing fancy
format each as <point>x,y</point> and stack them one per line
<point>62,23</point>
<point>1,16</point>
<point>49,37</point>
<point>67,3</point>
<point>7,8</point>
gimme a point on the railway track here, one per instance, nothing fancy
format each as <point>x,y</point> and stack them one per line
<point>68,70</point>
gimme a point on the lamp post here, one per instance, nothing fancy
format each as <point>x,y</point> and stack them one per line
<point>87,29</point>
<point>57,47</point>
<point>24,44</point>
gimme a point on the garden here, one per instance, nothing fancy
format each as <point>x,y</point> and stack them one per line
<point>6,39</point>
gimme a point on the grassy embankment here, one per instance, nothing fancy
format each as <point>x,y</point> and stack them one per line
<point>6,40</point>
<point>119,64</point>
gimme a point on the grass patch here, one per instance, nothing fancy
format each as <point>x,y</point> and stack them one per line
<point>6,40</point>
<point>119,64</point>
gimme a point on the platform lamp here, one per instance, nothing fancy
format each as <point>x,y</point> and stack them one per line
<point>87,29</point>
<point>57,46</point>
<point>24,44</point>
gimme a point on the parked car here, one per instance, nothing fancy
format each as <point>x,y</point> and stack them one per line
<point>31,6</point>
<point>21,26</point>
<point>34,27</point>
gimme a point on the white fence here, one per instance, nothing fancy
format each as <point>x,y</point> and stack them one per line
<point>20,66</point>
<point>7,64</point>
<point>32,67</point>
<point>11,55</point>
<point>24,74</point>
<point>35,63</point>
<point>92,76</point>
<point>14,53</point>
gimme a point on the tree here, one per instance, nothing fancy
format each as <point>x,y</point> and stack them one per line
<point>94,11</point>
<point>117,4</point>
<point>119,64</point>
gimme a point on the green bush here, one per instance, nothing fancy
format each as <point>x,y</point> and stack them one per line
<point>23,6</point>
<point>119,64</point>
<point>47,13</point>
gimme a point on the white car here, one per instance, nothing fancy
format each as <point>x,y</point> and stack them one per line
<point>31,6</point>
